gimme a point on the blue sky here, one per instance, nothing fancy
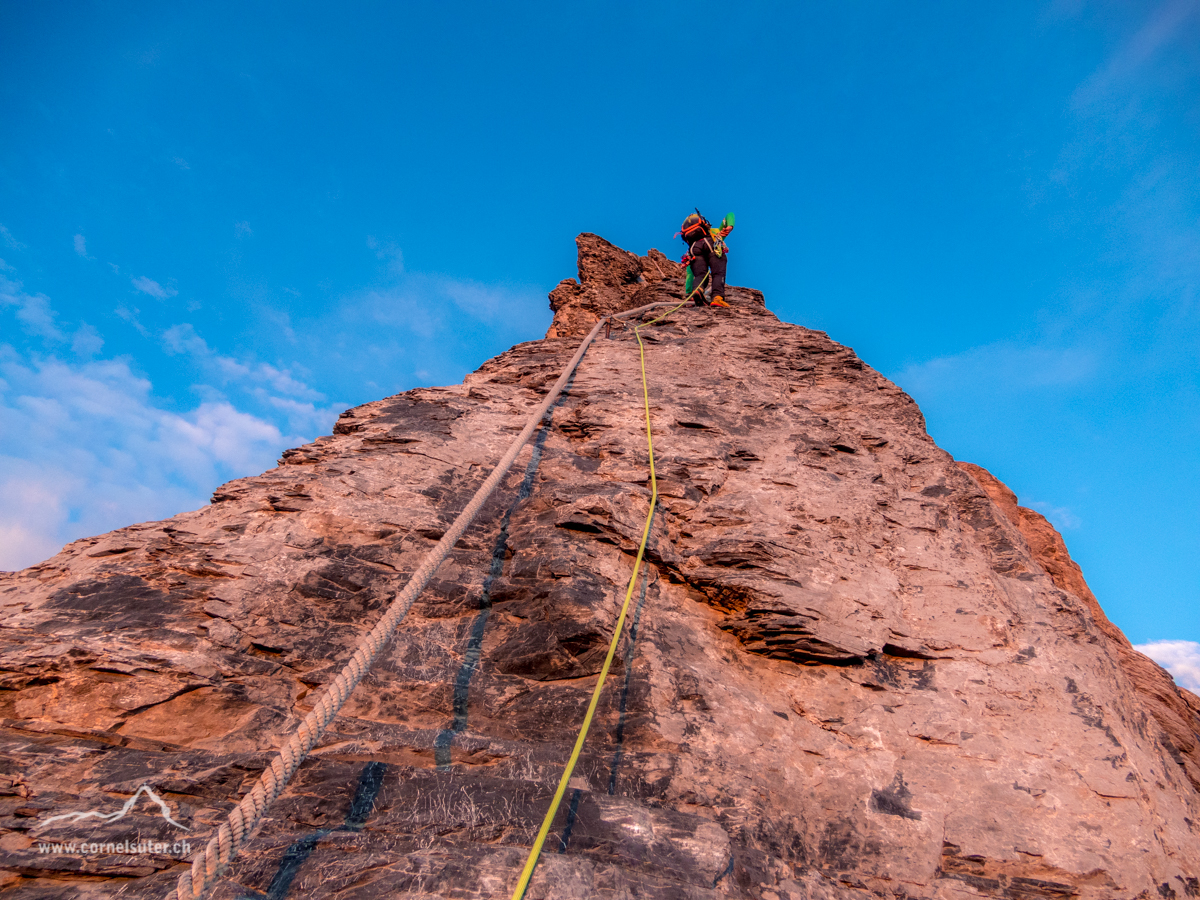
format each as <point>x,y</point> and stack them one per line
<point>221,225</point>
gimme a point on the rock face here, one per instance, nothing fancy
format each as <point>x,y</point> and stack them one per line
<point>1177,711</point>
<point>853,669</point>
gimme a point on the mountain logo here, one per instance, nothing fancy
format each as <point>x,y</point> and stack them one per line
<point>73,817</point>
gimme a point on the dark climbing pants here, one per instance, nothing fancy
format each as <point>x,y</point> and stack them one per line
<point>705,260</point>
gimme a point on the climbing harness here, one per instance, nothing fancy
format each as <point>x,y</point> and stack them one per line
<point>240,824</point>
<point>536,850</point>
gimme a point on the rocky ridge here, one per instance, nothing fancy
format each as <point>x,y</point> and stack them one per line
<point>855,668</point>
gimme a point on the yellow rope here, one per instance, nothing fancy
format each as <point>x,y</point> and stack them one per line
<point>536,850</point>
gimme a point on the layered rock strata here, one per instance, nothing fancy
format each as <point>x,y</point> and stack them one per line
<point>853,669</point>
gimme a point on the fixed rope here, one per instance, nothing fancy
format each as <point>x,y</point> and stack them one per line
<point>536,851</point>
<point>239,825</point>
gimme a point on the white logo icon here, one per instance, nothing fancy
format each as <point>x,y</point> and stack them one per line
<point>119,814</point>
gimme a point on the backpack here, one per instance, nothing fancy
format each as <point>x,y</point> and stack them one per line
<point>694,228</point>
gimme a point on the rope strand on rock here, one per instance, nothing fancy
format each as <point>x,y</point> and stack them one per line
<point>536,850</point>
<point>214,859</point>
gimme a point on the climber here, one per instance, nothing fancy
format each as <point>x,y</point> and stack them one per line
<point>706,255</point>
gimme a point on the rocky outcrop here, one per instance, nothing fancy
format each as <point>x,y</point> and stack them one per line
<point>612,280</point>
<point>852,671</point>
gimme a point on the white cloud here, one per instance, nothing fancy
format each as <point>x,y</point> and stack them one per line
<point>182,163</point>
<point>33,310</point>
<point>81,246</point>
<point>1164,24</point>
<point>183,340</point>
<point>10,240</point>
<point>999,366</point>
<point>307,418</point>
<point>282,381</point>
<point>218,433</point>
<point>415,329</point>
<point>482,301</point>
<point>242,229</point>
<point>131,316</point>
<point>388,252</point>
<point>153,288</point>
<point>1180,658</point>
<point>429,305</point>
<point>33,511</point>
<point>1060,516</point>
<point>87,341</point>
<point>85,448</point>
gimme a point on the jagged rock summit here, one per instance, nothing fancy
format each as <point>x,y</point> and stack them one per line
<point>855,668</point>
<point>612,280</point>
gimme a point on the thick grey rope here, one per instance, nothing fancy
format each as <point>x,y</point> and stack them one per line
<point>208,864</point>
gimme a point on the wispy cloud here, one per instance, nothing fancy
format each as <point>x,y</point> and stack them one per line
<point>485,302</point>
<point>305,410</point>
<point>389,253</point>
<point>1180,658</point>
<point>1060,516</point>
<point>32,310</point>
<point>131,316</point>
<point>153,288</point>
<point>242,230</point>
<point>420,328</point>
<point>81,246</point>
<point>85,448</point>
<point>305,417</point>
<point>183,339</point>
<point>11,241</point>
<point>1122,146</point>
<point>1164,25</point>
<point>87,341</point>
<point>1015,368</point>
